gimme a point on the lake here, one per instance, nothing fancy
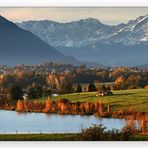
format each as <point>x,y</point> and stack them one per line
<point>12,122</point>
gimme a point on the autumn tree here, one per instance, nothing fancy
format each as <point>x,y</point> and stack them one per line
<point>46,92</point>
<point>120,83</point>
<point>32,93</point>
<point>79,88</point>
<point>87,107</point>
<point>19,106</point>
<point>8,81</point>
<point>103,88</point>
<point>82,107</point>
<point>35,92</point>
<point>48,104</point>
<point>66,87</point>
<point>26,104</point>
<point>132,82</point>
<point>100,107</point>
<point>92,87</point>
<point>15,92</point>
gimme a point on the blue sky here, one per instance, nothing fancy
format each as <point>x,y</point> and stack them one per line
<point>107,15</point>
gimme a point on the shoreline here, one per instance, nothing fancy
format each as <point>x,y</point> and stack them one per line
<point>127,115</point>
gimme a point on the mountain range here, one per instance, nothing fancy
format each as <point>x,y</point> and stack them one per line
<point>19,46</point>
<point>91,40</point>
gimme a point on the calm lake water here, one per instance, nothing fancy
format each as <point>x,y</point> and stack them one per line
<point>11,121</point>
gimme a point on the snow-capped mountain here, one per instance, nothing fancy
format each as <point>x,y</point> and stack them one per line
<point>91,40</point>
<point>73,34</point>
<point>132,33</point>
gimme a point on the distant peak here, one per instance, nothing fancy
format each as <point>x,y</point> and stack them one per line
<point>142,17</point>
<point>90,19</point>
<point>138,19</point>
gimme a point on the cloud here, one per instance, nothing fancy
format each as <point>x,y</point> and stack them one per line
<point>107,15</point>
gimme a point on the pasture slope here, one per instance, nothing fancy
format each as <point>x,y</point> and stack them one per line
<point>121,99</point>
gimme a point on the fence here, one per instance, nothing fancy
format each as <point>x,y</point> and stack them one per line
<point>38,132</point>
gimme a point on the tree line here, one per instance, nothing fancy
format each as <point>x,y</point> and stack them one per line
<point>38,85</point>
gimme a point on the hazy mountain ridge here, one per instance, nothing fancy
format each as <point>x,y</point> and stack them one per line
<point>20,46</point>
<point>74,34</point>
<point>88,31</point>
<point>91,40</point>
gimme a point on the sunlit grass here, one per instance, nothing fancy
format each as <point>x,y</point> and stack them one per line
<point>122,99</point>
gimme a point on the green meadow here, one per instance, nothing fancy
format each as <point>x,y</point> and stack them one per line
<point>53,137</point>
<point>121,99</point>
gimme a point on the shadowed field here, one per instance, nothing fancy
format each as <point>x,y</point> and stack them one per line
<point>38,137</point>
<point>52,137</point>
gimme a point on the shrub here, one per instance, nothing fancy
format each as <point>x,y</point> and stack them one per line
<point>98,133</point>
<point>94,133</point>
<point>127,133</point>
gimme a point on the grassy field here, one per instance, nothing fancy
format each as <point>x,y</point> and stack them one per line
<point>52,137</point>
<point>121,99</point>
<point>38,137</point>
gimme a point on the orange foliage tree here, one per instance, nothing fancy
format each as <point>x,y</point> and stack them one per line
<point>63,108</point>
<point>108,108</point>
<point>87,108</point>
<point>82,108</point>
<point>26,106</point>
<point>36,104</point>
<point>48,104</point>
<point>19,106</point>
<point>92,107</point>
<point>100,107</point>
<point>96,104</point>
